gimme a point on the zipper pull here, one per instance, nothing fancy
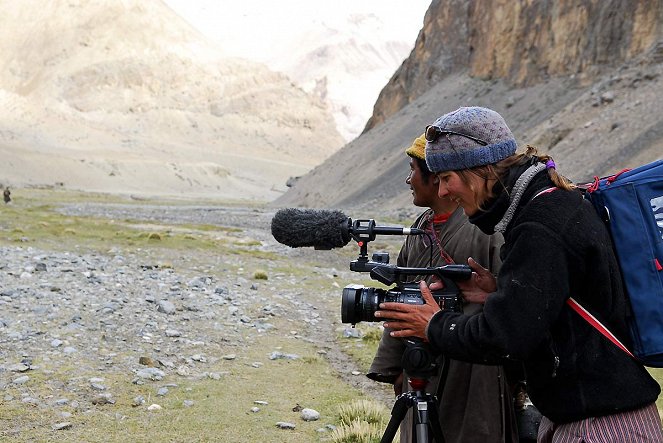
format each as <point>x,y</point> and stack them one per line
<point>556,365</point>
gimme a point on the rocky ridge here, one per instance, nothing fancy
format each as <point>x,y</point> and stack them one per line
<point>595,114</point>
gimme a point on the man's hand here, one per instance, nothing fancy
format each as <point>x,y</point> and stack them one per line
<point>479,286</point>
<point>409,320</point>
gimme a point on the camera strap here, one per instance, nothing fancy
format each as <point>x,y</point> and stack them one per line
<point>431,223</point>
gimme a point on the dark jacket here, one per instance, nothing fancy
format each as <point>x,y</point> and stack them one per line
<point>555,247</point>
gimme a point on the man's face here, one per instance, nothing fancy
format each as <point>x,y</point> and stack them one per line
<point>424,192</point>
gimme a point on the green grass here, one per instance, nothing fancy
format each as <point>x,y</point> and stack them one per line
<point>29,221</point>
<point>657,373</point>
<point>221,409</point>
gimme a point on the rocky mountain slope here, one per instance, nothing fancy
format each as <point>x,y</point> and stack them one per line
<point>126,97</point>
<point>579,79</point>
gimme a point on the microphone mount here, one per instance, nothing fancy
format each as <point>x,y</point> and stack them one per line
<point>364,231</point>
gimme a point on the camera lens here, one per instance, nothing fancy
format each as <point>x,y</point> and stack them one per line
<point>359,303</point>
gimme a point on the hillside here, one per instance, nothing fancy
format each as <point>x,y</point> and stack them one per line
<point>125,97</point>
<point>579,79</point>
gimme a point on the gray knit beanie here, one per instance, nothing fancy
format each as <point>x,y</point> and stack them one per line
<point>451,152</point>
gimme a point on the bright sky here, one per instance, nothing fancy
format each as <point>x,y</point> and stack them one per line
<point>249,28</point>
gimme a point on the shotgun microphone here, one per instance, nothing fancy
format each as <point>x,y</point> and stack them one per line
<point>327,229</point>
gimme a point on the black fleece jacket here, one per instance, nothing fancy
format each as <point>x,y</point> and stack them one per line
<point>555,247</point>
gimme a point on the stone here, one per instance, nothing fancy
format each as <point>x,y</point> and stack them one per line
<point>308,414</point>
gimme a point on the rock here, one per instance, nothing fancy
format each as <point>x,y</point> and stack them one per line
<point>166,307</point>
<point>285,425</point>
<point>61,426</point>
<point>148,361</point>
<point>276,355</point>
<point>19,367</point>
<point>151,374</point>
<point>21,380</point>
<point>103,399</point>
<point>308,414</point>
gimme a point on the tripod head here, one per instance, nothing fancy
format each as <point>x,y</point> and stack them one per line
<point>419,363</point>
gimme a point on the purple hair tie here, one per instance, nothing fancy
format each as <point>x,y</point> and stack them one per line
<point>550,164</point>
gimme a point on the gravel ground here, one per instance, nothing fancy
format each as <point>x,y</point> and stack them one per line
<point>145,315</point>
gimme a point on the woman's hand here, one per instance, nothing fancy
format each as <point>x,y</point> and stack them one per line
<point>407,320</point>
<point>479,286</point>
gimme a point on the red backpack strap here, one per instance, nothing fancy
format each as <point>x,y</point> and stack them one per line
<point>589,318</point>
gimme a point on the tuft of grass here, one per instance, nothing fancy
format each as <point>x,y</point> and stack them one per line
<point>154,236</point>
<point>372,335</point>
<point>362,421</point>
<point>260,275</point>
<point>363,410</point>
<point>357,432</point>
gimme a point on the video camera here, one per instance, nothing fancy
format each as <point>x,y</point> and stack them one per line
<point>324,229</point>
<point>359,303</point>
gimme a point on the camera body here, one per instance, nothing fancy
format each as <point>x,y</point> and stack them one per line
<point>359,303</point>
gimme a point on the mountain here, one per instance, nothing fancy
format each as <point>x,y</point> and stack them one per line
<point>344,64</point>
<point>582,80</point>
<point>124,96</point>
<point>343,51</point>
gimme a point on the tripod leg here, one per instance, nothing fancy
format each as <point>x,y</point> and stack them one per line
<point>422,420</point>
<point>397,415</point>
<point>434,422</point>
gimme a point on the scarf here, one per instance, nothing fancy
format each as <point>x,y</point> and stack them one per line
<point>496,214</point>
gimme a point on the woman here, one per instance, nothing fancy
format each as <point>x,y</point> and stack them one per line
<point>555,247</point>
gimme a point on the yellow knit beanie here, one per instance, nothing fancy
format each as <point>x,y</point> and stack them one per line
<point>418,148</point>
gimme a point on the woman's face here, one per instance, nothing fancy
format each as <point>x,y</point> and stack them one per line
<point>453,187</point>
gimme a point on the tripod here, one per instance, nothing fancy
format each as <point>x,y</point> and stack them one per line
<point>420,365</point>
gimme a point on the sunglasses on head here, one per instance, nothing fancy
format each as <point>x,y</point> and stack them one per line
<point>434,132</point>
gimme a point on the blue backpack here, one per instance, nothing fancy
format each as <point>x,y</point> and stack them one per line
<point>631,205</point>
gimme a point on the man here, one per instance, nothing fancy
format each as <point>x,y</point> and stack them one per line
<point>475,403</point>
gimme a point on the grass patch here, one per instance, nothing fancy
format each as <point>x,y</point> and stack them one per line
<point>28,220</point>
<point>362,421</point>
<point>220,407</point>
<point>657,373</point>
<point>362,350</point>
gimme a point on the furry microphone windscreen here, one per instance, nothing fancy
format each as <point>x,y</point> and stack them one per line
<point>322,229</point>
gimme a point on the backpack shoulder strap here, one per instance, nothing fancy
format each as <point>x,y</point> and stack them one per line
<point>593,321</point>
